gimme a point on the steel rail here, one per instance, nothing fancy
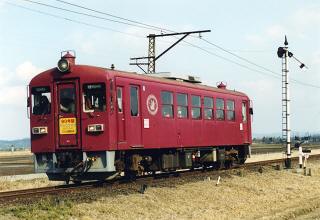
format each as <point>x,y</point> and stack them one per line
<point>7,196</point>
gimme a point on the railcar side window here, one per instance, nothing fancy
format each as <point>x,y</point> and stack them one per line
<point>119,99</point>
<point>220,109</point>
<point>244,112</point>
<point>230,110</point>
<point>134,101</point>
<point>196,107</point>
<point>208,108</point>
<point>94,96</point>
<point>182,108</point>
<point>167,104</point>
<point>41,100</point>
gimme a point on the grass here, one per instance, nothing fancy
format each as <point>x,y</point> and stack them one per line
<point>271,195</point>
<point>47,208</point>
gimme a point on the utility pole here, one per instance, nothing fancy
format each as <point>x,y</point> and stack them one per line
<point>152,58</point>
<point>284,54</point>
<point>286,131</point>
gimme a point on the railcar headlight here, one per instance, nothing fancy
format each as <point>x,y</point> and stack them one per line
<point>40,130</point>
<point>63,65</point>
<point>95,128</point>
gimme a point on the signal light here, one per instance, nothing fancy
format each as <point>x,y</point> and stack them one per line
<point>63,65</point>
<point>281,51</point>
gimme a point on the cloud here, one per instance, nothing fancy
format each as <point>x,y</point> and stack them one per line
<point>254,39</point>
<point>275,31</point>
<point>14,96</point>
<point>13,83</point>
<point>26,70</point>
<point>316,57</point>
<point>307,17</point>
<point>4,76</point>
<point>297,24</point>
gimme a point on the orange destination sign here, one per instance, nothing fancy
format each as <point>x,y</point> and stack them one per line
<point>67,126</point>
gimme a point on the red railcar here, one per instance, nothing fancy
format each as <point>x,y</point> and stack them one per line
<point>95,123</point>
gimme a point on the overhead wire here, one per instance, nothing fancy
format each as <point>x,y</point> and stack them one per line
<point>88,15</point>
<point>201,48</point>
<point>152,27</point>
<point>73,20</point>
<point>114,16</point>
<point>262,67</point>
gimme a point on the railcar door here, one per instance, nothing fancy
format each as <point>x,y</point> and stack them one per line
<point>129,115</point>
<point>67,115</point>
<point>245,121</point>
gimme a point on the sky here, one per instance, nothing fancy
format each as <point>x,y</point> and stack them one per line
<point>33,35</point>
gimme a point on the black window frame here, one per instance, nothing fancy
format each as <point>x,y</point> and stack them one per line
<point>120,99</point>
<point>68,104</point>
<point>40,101</point>
<point>167,105</point>
<point>231,112</point>
<point>134,103</point>
<point>244,112</point>
<point>98,92</point>
<point>220,109</point>
<point>208,108</point>
<point>196,107</point>
<point>182,107</point>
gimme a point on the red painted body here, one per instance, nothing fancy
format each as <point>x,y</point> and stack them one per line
<point>146,130</point>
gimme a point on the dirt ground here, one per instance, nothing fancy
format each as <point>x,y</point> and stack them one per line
<point>15,153</point>
<point>273,194</point>
<point>15,163</point>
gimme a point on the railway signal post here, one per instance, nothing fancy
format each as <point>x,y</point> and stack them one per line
<point>284,53</point>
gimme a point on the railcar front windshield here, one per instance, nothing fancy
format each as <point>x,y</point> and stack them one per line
<point>94,96</point>
<point>68,100</point>
<point>41,100</point>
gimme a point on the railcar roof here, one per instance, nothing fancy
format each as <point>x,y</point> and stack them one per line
<point>84,69</point>
<point>173,82</point>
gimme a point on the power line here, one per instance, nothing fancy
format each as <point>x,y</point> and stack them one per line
<point>239,57</point>
<point>201,48</point>
<point>151,27</point>
<point>114,16</point>
<point>234,62</point>
<point>88,15</point>
<point>262,67</point>
<point>74,21</point>
<point>109,29</point>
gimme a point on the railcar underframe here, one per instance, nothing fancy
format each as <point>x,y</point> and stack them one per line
<point>78,165</point>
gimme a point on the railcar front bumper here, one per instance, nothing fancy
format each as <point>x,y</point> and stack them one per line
<point>48,163</point>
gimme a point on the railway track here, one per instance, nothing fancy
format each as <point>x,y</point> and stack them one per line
<point>9,196</point>
<point>38,192</point>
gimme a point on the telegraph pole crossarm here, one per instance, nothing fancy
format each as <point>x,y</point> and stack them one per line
<point>139,64</point>
<point>152,44</point>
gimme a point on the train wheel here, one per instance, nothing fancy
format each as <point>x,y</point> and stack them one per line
<point>228,164</point>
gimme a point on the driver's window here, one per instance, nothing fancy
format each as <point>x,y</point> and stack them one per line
<point>94,97</point>
<point>41,100</point>
<point>67,100</point>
